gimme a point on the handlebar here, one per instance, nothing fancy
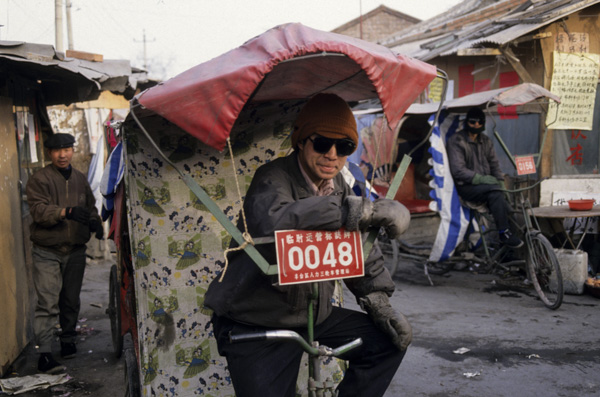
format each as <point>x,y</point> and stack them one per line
<point>295,337</point>
<point>524,188</point>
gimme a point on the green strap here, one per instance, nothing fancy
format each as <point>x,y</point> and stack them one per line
<point>252,252</point>
<point>391,193</point>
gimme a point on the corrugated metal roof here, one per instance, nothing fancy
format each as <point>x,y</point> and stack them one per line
<point>66,80</point>
<point>499,29</point>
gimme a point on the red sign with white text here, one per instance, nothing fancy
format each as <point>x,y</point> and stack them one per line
<point>304,256</point>
<point>525,165</point>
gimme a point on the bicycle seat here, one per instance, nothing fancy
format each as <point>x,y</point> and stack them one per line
<point>476,206</point>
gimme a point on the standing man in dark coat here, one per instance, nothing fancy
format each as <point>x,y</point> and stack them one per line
<point>305,191</point>
<point>63,213</point>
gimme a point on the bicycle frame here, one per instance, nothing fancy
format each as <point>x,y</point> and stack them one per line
<point>539,260</point>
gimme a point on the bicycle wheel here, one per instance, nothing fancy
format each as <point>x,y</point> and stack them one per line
<point>132,374</point>
<point>114,311</point>
<point>544,270</point>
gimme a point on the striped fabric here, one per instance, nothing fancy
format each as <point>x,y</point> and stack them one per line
<point>454,218</point>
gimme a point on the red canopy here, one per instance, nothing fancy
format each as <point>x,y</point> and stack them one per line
<point>287,62</point>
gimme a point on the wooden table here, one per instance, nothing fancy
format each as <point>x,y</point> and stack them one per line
<point>556,214</point>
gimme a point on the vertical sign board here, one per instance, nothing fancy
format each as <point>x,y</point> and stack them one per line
<point>305,256</point>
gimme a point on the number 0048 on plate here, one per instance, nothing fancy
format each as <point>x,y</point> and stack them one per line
<point>304,256</point>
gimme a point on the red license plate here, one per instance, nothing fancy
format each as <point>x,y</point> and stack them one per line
<point>525,165</point>
<point>304,256</point>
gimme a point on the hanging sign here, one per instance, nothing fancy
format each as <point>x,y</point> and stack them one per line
<point>525,165</point>
<point>305,256</point>
<point>574,79</point>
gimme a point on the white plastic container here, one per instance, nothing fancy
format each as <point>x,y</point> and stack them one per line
<point>573,266</point>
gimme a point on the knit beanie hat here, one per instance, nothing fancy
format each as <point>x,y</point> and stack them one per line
<point>476,113</point>
<point>327,115</point>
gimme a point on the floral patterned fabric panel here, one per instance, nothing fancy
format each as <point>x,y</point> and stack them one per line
<point>178,244</point>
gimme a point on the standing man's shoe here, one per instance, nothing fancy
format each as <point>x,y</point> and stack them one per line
<point>48,365</point>
<point>67,349</point>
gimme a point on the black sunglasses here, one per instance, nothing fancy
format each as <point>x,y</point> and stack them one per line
<point>473,121</point>
<point>343,147</point>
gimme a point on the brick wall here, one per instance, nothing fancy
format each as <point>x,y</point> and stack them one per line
<point>377,28</point>
<point>377,24</point>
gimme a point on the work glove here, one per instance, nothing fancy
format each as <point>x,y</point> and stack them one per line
<point>389,214</point>
<point>96,226</point>
<point>479,179</point>
<point>78,214</point>
<point>393,323</point>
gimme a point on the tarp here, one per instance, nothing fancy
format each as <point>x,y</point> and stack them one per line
<point>205,101</point>
<point>508,96</point>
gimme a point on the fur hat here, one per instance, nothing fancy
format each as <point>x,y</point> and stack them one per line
<point>327,115</point>
<point>59,141</point>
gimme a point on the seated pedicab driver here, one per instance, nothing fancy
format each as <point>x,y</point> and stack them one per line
<point>477,174</point>
<point>305,191</point>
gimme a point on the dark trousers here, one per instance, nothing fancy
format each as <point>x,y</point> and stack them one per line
<point>492,197</point>
<point>57,279</point>
<point>270,368</point>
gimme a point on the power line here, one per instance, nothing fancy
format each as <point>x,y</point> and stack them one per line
<point>145,41</point>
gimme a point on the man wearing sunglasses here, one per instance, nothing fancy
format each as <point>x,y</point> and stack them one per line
<point>477,174</point>
<point>305,191</point>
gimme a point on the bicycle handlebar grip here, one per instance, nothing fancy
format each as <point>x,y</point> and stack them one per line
<point>257,336</point>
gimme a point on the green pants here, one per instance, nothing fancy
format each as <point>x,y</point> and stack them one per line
<point>57,279</point>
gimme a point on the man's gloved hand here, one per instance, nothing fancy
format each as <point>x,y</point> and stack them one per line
<point>78,214</point>
<point>394,324</point>
<point>96,226</point>
<point>389,214</point>
<point>479,179</point>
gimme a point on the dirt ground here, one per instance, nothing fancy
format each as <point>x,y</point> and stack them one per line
<point>516,346</point>
<point>95,371</point>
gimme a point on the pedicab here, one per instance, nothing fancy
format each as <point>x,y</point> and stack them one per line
<point>466,233</point>
<point>189,149</point>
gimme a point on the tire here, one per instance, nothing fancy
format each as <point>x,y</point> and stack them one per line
<point>544,270</point>
<point>114,311</point>
<point>132,372</point>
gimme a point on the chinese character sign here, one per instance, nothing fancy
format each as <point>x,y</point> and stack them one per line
<point>574,42</point>
<point>574,79</point>
<point>305,256</point>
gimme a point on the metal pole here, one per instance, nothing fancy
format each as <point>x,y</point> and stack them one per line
<point>58,25</point>
<point>69,26</point>
<point>361,19</point>
<point>145,58</point>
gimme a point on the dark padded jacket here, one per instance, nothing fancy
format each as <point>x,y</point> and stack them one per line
<point>48,192</point>
<point>467,158</point>
<point>280,199</point>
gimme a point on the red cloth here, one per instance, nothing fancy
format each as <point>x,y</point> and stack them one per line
<point>206,100</point>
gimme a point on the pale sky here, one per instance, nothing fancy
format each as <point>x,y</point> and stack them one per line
<point>183,33</point>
